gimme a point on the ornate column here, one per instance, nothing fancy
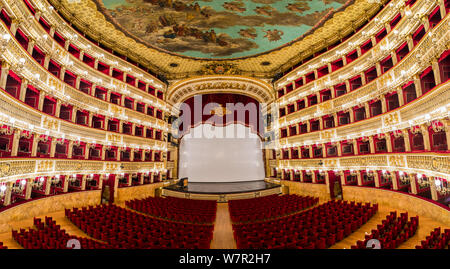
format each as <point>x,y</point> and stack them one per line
<point>417,85</point>
<point>394,57</point>
<point>133,128</point>
<point>105,124</point>
<point>58,107</point>
<point>363,78</point>
<point>335,119</point>
<point>103,154</point>
<point>62,72</point>
<point>405,135</point>
<point>4,74</point>
<point>41,100</point>
<point>410,42</point>
<point>359,178</point>
<point>53,148</point>
<point>378,68</point>
<point>90,116</point>
<point>436,72</point>
<point>383,104</point>
<point>70,150</point>
<point>36,139</point>
<point>394,181</point>
<point>77,82</point>
<point>358,51</point>
<point>413,183</point>
<point>371,145</point>
<point>351,114</point>
<point>23,89</point>
<point>15,143</point>
<point>100,181</point>
<point>47,61</point>
<point>367,109</point>
<point>31,44</point>
<point>28,189</point>
<point>121,126</point>
<point>339,149</point>
<point>48,184</point>
<point>83,182</point>
<point>74,114</point>
<point>425,23</point>
<point>141,180</point>
<point>447,132</point>
<point>86,153</point>
<point>400,96</point>
<point>327,181</point>
<point>15,23</point>
<point>8,191</point>
<point>66,184</point>
<point>355,146</point>
<point>342,177</point>
<point>130,180</point>
<point>434,193</point>
<point>347,86</point>
<point>426,137</point>
<point>388,142</point>
<point>116,185</point>
<point>376,178</point>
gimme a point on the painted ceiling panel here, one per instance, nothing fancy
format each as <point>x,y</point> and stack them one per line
<point>219,28</point>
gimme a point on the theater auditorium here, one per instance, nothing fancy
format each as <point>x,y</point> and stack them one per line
<point>248,124</point>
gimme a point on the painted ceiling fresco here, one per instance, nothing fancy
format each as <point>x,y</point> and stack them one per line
<point>218,28</point>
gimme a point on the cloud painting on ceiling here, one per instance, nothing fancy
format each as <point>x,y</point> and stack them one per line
<point>218,28</point>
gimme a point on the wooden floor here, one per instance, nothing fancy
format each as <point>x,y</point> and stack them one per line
<point>223,233</point>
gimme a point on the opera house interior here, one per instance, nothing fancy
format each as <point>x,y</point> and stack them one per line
<point>225,124</point>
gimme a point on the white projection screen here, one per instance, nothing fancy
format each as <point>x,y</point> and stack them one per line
<point>221,154</point>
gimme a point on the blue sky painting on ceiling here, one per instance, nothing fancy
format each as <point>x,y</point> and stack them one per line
<point>218,28</point>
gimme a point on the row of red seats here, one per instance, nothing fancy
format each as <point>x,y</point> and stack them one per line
<point>177,209</point>
<point>316,228</point>
<point>268,207</point>
<point>48,235</point>
<point>2,246</point>
<point>436,240</point>
<point>391,232</point>
<point>126,229</point>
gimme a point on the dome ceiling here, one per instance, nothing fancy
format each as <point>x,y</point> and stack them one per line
<point>257,38</point>
<point>219,28</point>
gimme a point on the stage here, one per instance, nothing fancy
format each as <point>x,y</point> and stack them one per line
<point>222,192</point>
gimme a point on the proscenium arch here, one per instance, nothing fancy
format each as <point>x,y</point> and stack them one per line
<point>257,89</point>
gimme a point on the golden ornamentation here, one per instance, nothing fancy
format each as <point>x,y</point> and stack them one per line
<point>396,161</point>
<point>390,119</point>
<point>220,111</point>
<point>219,69</point>
<point>43,166</point>
<point>113,137</point>
<point>49,123</point>
<point>5,169</point>
<point>116,109</point>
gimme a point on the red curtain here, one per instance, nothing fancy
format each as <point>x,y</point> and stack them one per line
<point>221,109</point>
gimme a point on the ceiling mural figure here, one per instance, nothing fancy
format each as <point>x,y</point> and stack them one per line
<point>217,28</point>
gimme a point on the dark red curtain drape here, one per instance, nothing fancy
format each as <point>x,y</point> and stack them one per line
<point>221,109</point>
